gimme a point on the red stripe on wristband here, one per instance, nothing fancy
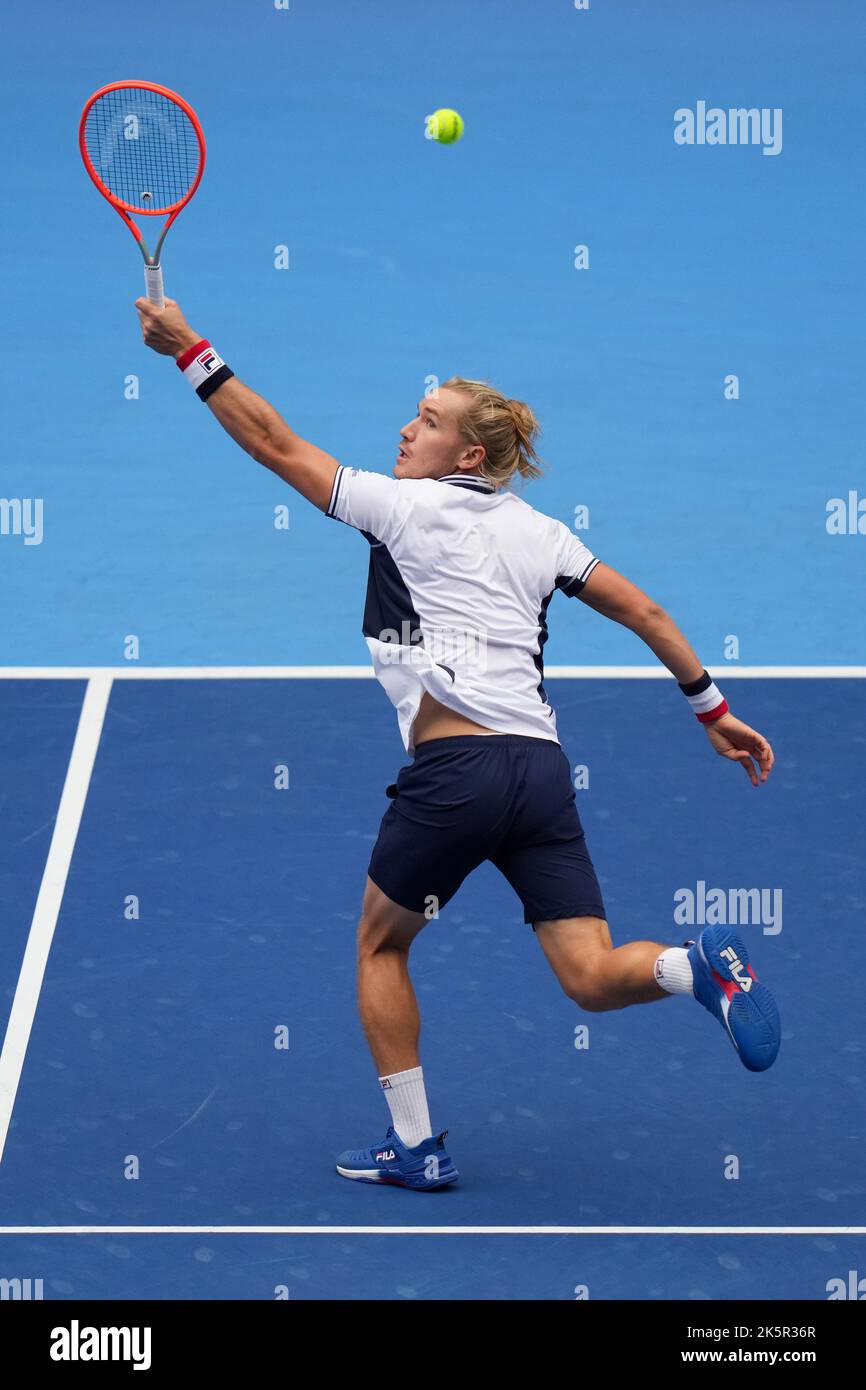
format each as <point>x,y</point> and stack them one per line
<point>714,713</point>
<point>191,353</point>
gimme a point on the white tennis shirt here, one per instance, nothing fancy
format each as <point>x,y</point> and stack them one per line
<point>459,583</point>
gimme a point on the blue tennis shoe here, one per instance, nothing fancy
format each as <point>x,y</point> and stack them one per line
<point>425,1167</point>
<point>726,984</point>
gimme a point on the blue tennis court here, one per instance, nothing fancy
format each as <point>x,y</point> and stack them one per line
<point>193,759</point>
<point>154,1040</point>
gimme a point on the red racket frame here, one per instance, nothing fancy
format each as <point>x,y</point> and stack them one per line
<point>122,208</point>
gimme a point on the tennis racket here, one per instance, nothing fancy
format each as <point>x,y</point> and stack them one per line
<point>144,148</point>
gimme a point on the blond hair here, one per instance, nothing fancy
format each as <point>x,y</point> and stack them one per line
<point>506,428</point>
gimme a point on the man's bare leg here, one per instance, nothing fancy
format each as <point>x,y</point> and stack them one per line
<point>598,978</point>
<point>592,972</point>
<point>410,1155</point>
<point>386,999</point>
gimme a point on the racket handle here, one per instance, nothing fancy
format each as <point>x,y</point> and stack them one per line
<point>153,285</point>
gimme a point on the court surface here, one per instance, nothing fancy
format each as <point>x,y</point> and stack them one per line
<point>153,1037</point>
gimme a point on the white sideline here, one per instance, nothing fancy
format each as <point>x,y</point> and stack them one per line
<point>432,1230</point>
<point>51,891</point>
<point>180,673</point>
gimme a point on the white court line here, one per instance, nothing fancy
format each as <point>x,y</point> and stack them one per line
<point>195,673</point>
<point>51,891</point>
<point>432,1230</point>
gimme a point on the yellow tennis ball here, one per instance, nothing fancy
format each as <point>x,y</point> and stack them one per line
<point>445,125</point>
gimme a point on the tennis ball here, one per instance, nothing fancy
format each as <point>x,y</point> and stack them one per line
<point>445,125</point>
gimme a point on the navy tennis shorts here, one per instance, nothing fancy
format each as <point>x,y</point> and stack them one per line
<point>508,798</point>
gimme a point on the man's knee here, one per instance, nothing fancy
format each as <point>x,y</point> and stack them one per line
<point>375,935</point>
<point>586,986</point>
<point>384,925</point>
<point>579,951</point>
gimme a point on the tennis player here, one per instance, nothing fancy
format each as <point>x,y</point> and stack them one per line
<point>461,575</point>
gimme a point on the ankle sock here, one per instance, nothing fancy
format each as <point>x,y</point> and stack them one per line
<point>673,971</point>
<point>407,1101</point>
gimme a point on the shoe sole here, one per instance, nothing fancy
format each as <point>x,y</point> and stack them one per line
<point>369,1175</point>
<point>753,1014</point>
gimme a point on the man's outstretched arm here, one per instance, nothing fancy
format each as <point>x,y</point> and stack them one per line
<point>614,596</point>
<point>248,418</point>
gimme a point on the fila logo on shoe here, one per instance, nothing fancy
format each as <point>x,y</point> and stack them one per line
<point>385,1155</point>
<point>737,969</point>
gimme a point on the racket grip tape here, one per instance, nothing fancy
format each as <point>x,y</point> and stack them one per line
<point>154,286</point>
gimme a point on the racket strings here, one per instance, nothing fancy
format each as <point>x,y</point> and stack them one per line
<point>143,146</point>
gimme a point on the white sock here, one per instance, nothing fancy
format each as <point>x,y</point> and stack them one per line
<point>673,971</point>
<point>407,1101</point>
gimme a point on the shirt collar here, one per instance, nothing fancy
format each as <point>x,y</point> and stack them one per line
<point>473,481</point>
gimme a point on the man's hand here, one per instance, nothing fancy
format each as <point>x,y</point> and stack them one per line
<point>733,739</point>
<point>165,330</point>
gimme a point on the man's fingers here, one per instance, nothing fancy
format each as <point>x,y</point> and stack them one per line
<point>143,304</point>
<point>751,749</point>
<point>763,755</point>
<point>746,760</point>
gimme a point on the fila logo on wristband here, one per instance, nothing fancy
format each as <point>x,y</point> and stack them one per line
<point>203,368</point>
<point>705,698</point>
<point>199,362</point>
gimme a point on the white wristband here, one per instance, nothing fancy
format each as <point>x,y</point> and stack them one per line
<point>707,701</point>
<point>202,366</point>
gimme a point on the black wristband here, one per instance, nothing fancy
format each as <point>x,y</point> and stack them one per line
<point>210,385</point>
